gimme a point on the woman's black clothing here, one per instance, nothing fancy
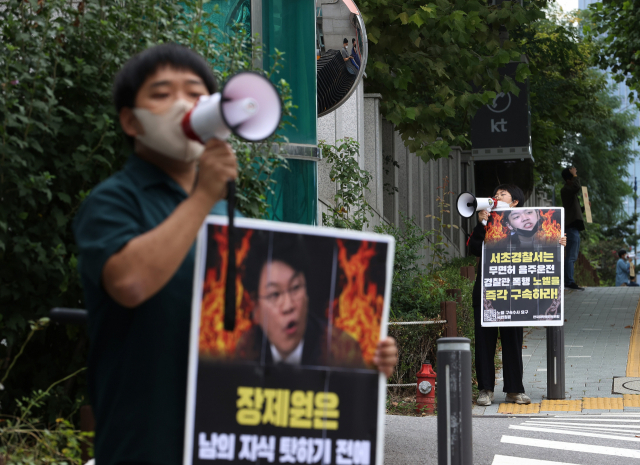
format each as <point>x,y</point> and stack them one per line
<point>486,338</point>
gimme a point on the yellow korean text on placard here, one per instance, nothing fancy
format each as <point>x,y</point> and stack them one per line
<point>286,408</point>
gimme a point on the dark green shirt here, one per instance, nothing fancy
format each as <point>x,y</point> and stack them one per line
<point>138,357</point>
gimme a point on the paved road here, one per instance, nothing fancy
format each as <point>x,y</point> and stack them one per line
<point>541,440</point>
<point>597,331</point>
<point>597,334</point>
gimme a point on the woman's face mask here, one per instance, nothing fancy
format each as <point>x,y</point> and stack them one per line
<point>163,132</point>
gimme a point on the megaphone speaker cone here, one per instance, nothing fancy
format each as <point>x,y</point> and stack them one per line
<point>466,204</point>
<point>238,111</point>
<point>251,91</point>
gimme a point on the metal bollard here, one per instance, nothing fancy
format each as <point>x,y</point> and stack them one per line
<point>555,363</point>
<point>448,312</point>
<point>454,401</point>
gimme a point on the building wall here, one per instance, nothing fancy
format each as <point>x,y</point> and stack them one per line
<point>411,189</point>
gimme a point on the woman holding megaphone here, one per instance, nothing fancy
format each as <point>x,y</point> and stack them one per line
<point>523,224</point>
<point>487,337</point>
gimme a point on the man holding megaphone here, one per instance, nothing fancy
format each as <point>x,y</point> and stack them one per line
<point>136,237</point>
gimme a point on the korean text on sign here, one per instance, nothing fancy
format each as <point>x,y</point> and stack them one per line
<point>290,449</point>
<point>287,409</point>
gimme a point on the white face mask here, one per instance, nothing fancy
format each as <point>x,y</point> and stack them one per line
<point>163,132</point>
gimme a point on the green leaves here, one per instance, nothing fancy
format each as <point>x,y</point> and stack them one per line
<point>433,64</point>
<point>350,207</point>
<point>60,137</point>
<point>403,17</point>
<point>616,28</point>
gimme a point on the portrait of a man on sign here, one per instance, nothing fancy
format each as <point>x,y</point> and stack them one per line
<point>522,268</point>
<point>297,306</point>
<point>277,279</point>
<point>297,374</point>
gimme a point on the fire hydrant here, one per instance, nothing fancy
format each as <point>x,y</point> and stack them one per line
<point>426,392</point>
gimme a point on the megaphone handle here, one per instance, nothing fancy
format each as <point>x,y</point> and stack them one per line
<point>230,285</point>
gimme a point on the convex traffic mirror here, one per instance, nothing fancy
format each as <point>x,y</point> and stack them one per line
<point>341,52</point>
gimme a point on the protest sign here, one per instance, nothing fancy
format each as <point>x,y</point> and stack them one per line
<point>294,382</point>
<point>587,204</point>
<point>522,263</point>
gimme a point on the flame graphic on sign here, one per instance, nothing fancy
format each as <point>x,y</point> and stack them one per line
<point>495,230</point>
<point>359,306</point>
<point>550,230</point>
<point>214,340</point>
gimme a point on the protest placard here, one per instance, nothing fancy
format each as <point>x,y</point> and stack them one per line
<point>522,263</point>
<point>587,204</point>
<point>294,382</point>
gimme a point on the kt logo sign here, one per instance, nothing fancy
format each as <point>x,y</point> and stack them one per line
<point>505,121</point>
<point>500,126</point>
<point>501,103</point>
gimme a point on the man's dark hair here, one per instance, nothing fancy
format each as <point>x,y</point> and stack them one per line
<point>139,67</point>
<point>266,246</point>
<point>345,41</point>
<point>353,41</point>
<point>621,252</point>
<point>515,191</point>
<point>567,174</point>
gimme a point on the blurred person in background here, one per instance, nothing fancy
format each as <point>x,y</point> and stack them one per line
<point>622,268</point>
<point>574,223</point>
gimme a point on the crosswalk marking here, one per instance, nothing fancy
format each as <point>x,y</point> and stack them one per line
<point>574,433</point>
<point>591,418</point>
<point>612,427</point>
<point>574,447</point>
<point>601,429</point>
<point>580,425</point>
<point>508,460</point>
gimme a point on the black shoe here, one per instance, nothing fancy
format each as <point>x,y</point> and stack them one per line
<point>574,286</point>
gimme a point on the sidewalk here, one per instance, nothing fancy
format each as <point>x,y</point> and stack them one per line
<point>598,326</point>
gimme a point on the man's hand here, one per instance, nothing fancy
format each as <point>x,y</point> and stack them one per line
<point>386,356</point>
<point>217,166</point>
<point>563,240</point>
<point>573,171</point>
<point>483,216</point>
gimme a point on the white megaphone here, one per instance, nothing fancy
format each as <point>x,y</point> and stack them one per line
<point>248,106</point>
<point>467,204</point>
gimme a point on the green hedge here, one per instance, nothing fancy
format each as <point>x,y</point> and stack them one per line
<point>418,342</point>
<point>59,137</point>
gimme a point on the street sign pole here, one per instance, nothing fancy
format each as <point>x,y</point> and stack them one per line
<point>454,401</point>
<point>555,363</point>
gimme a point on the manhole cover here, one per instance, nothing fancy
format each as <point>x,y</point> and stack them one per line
<point>623,385</point>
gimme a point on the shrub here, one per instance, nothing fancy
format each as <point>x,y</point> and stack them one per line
<point>27,438</point>
<point>407,289</point>
<point>417,342</point>
<point>59,137</point>
<point>350,208</point>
